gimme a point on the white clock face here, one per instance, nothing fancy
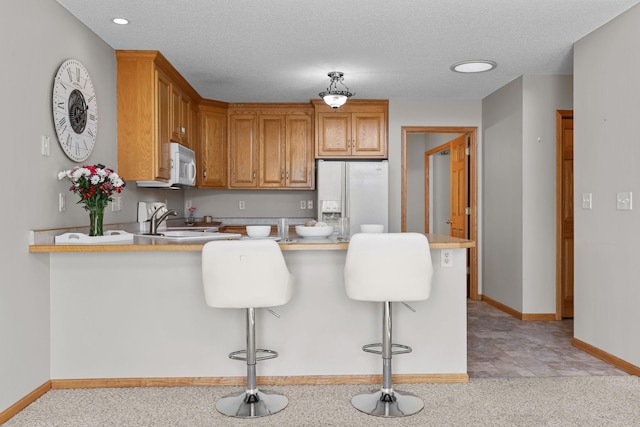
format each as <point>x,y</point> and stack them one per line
<point>75,110</point>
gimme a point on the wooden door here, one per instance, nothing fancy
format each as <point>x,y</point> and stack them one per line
<point>272,150</point>
<point>243,151</point>
<point>564,220</point>
<point>367,134</point>
<point>213,149</point>
<point>299,171</point>
<point>458,184</point>
<point>334,134</point>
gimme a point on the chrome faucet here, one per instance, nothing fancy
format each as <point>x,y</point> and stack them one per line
<point>155,222</point>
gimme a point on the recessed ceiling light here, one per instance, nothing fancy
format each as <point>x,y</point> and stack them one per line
<point>474,66</point>
<point>120,21</point>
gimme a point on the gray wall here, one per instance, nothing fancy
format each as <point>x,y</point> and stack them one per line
<point>519,125</point>
<point>269,204</point>
<point>502,195</point>
<point>37,37</point>
<point>543,96</point>
<point>606,153</point>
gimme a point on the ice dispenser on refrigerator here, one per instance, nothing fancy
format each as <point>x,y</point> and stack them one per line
<point>358,190</point>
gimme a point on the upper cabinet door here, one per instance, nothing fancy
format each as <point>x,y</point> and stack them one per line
<point>369,134</point>
<point>357,129</point>
<point>334,134</point>
<point>300,164</point>
<point>272,150</point>
<point>213,156</point>
<point>163,107</point>
<point>243,151</point>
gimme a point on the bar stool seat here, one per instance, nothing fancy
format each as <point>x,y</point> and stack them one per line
<point>247,274</point>
<point>386,268</point>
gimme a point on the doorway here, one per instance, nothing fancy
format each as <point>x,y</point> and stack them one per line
<point>470,134</point>
<point>564,214</point>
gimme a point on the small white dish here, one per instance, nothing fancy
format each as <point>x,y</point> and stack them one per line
<point>258,230</point>
<point>314,232</point>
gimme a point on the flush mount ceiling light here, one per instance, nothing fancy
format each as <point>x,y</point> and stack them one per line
<point>120,21</point>
<point>474,66</point>
<point>333,96</point>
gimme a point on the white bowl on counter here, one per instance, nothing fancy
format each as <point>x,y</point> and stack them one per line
<point>258,230</point>
<point>314,232</point>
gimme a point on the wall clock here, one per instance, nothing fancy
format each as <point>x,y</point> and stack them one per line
<point>75,110</point>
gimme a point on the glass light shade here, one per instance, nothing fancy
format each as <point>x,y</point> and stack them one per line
<point>335,100</point>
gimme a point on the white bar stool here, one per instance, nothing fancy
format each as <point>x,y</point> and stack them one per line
<point>392,267</point>
<point>247,274</point>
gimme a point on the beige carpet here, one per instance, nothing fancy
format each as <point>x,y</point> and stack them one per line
<point>569,401</point>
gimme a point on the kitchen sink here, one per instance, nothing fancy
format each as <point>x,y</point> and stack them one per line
<point>192,235</point>
<point>193,228</point>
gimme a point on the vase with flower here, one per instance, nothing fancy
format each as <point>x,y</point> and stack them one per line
<point>191,219</point>
<point>95,184</point>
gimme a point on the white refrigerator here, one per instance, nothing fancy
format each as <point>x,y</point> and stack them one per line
<point>355,189</point>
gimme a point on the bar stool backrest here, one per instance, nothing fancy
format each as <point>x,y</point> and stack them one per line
<point>245,273</point>
<point>388,267</point>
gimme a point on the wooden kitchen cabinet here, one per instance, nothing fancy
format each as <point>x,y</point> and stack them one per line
<point>183,120</point>
<point>271,146</point>
<point>212,148</point>
<point>146,88</point>
<point>243,151</point>
<point>357,129</point>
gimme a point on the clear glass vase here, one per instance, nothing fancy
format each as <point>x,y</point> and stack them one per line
<point>96,214</point>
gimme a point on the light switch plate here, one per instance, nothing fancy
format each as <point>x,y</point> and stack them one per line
<point>624,201</point>
<point>586,200</point>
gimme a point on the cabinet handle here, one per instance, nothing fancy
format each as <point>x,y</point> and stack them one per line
<point>254,174</point>
<point>282,175</point>
<point>287,174</point>
<point>182,130</point>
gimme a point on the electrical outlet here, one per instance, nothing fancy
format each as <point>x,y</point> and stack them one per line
<point>187,205</point>
<point>154,206</point>
<point>446,258</point>
<point>241,205</point>
<point>309,204</point>
<point>61,202</point>
<point>116,204</point>
<point>303,204</point>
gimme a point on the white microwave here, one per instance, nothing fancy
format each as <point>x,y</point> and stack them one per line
<point>183,168</point>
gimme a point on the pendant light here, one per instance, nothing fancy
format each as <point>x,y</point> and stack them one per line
<point>333,96</point>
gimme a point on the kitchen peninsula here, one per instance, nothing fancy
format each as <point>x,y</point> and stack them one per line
<point>120,318</point>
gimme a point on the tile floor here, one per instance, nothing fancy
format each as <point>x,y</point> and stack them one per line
<point>501,346</point>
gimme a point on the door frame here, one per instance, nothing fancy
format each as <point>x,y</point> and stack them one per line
<point>473,191</point>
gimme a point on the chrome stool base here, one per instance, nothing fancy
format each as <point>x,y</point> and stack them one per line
<point>251,405</point>
<point>387,404</point>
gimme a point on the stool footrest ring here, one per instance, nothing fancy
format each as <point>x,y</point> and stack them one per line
<point>403,348</point>
<point>267,354</point>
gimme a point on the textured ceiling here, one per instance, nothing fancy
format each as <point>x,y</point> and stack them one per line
<point>281,50</point>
